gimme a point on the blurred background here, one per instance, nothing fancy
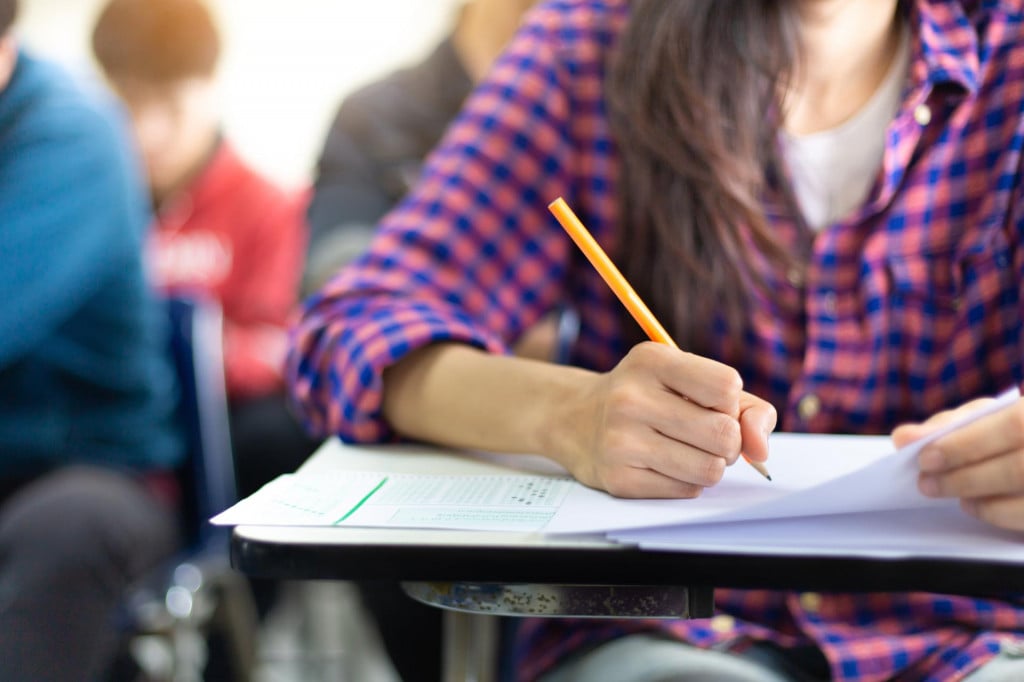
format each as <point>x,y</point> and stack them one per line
<point>286,65</point>
<point>284,70</point>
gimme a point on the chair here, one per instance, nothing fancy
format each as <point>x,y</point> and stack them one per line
<point>171,617</point>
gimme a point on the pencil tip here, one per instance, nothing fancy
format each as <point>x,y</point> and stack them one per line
<point>768,476</point>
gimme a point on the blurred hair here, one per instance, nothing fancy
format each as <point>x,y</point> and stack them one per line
<point>8,10</point>
<point>156,41</point>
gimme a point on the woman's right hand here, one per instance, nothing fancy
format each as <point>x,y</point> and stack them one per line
<point>662,424</point>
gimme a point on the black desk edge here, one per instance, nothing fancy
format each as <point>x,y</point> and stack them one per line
<point>554,565</point>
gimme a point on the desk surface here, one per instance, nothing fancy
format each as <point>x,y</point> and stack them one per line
<point>435,555</point>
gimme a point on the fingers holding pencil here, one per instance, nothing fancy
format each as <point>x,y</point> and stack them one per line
<point>756,417</point>
<point>639,435</point>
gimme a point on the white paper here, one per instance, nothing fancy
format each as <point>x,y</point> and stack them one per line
<point>829,494</point>
<point>376,499</point>
<point>293,500</point>
<point>942,531</point>
<point>797,462</point>
<point>812,475</point>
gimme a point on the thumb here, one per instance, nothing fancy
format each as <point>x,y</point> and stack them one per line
<point>907,433</point>
<point>757,419</point>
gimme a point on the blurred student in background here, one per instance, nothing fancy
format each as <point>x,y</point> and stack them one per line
<point>87,436</point>
<point>374,150</point>
<point>222,231</point>
<point>382,133</point>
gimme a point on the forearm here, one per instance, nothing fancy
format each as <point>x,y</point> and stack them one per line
<point>662,423</point>
<point>457,395</point>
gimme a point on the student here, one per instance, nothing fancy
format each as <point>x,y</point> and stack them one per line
<point>88,440</point>
<point>381,134</point>
<point>222,230</point>
<point>820,199</point>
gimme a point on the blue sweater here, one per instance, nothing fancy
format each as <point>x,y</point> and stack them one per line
<point>84,370</point>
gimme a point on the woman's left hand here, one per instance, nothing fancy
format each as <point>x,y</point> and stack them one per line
<point>981,463</point>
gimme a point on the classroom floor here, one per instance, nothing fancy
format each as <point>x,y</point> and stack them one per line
<point>317,632</point>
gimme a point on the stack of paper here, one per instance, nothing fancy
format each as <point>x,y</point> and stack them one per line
<point>830,495</point>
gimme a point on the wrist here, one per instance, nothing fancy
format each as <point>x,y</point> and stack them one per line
<point>564,424</point>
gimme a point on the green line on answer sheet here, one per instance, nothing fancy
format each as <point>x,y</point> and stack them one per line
<point>361,502</point>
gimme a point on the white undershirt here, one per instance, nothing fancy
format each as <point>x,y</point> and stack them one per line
<point>832,171</point>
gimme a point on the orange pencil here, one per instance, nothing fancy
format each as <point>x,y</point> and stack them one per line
<point>619,284</point>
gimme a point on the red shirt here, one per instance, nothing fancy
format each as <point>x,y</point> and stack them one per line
<point>235,238</point>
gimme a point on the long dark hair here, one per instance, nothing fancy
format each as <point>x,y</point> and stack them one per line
<point>694,101</point>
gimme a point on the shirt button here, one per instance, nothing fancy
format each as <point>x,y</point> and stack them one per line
<point>723,624</point>
<point>795,277</point>
<point>809,407</point>
<point>922,114</point>
<point>810,602</point>
<point>828,304</point>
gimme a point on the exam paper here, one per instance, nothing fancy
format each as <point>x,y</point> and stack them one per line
<point>812,475</point>
<point>942,531</point>
<point>798,462</point>
<point>371,499</point>
<point>824,488</point>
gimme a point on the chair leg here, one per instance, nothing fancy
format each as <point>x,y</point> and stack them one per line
<point>190,653</point>
<point>324,628</point>
<point>236,617</point>
<point>470,647</point>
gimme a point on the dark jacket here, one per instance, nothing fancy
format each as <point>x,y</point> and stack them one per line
<point>373,154</point>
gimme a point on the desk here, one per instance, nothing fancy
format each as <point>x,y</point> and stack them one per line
<point>663,584</point>
<point>450,556</point>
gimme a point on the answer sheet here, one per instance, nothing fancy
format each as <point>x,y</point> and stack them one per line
<point>501,503</point>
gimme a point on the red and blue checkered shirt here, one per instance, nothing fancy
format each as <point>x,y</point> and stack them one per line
<point>909,306</point>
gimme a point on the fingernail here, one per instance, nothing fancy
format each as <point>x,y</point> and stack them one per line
<point>929,485</point>
<point>931,459</point>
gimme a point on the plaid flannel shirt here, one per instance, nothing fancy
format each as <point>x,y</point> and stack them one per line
<point>907,307</point>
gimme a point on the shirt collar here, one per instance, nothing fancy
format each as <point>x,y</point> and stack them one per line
<point>947,44</point>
